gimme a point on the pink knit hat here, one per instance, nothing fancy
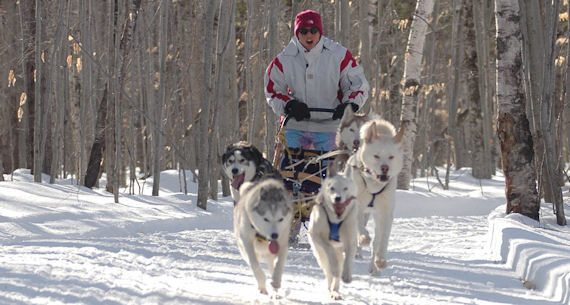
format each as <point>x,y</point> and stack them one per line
<point>308,19</point>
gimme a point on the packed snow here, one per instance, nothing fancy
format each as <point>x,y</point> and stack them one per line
<point>66,244</point>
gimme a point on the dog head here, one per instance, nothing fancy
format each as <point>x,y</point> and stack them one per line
<point>337,194</point>
<point>271,209</point>
<point>240,162</point>
<point>381,153</point>
<point>348,133</point>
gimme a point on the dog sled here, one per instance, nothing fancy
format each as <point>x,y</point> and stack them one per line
<point>303,171</point>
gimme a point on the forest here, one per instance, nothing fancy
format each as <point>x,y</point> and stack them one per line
<point>129,88</point>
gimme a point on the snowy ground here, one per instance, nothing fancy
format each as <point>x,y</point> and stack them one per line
<point>64,244</point>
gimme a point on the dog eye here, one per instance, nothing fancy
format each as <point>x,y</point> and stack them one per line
<point>376,156</point>
<point>351,129</point>
<point>391,157</point>
<point>266,220</point>
<point>281,219</point>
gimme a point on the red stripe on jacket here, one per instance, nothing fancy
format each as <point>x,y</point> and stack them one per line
<point>347,60</point>
<point>271,84</point>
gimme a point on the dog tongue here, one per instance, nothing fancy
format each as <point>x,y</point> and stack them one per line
<point>339,207</point>
<point>238,180</point>
<point>273,247</point>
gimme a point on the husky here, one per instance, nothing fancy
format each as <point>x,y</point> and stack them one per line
<point>348,137</point>
<point>333,230</point>
<point>262,219</point>
<point>243,162</point>
<point>375,168</point>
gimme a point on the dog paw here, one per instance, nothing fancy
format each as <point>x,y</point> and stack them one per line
<point>335,295</point>
<point>262,290</point>
<point>347,278</point>
<point>363,240</point>
<point>381,263</point>
<point>373,270</point>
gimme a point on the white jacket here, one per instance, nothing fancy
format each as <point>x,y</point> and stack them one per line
<point>321,78</point>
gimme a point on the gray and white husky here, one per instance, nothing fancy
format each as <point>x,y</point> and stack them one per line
<point>375,168</point>
<point>262,219</point>
<point>333,230</point>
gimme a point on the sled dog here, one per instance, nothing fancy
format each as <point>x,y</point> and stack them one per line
<point>333,230</point>
<point>375,168</point>
<point>243,162</point>
<point>262,219</point>
<point>348,137</point>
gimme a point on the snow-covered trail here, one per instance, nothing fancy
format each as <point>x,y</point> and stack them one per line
<point>432,260</point>
<point>66,245</point>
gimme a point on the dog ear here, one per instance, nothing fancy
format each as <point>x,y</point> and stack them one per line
<point>320,198</point>
<point>398,138</point>
<point>347,115</point>
<point>370,133</point>
<point>257,155</point>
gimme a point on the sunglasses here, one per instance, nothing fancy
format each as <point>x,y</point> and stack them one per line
<point>304,31</point>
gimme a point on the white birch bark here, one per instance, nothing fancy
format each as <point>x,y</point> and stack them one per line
<point>412,82</point>
<point>512,124</point>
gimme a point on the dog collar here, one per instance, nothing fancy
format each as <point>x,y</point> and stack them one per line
<point>258,236</point>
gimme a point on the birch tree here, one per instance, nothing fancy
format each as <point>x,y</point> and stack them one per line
<point>412,83</point>
<point>512,124</point>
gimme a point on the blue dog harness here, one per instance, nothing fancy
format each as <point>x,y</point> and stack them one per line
<point>334,228</point>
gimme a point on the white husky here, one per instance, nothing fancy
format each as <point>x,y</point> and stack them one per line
<point>262,219</point>
<point>333,230</point>
<point>375,168</point>
<point>347,138</point>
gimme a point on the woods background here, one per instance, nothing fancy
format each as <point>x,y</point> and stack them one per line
<point>133,87</point>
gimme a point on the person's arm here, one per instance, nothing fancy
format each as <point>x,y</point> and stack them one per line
<point>353,83</point>
<point>276,87</point>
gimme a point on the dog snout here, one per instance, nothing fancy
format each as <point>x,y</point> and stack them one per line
<point>234,171</point>
<point>337,199</point>
<point>384,168</point>
<point>274,236</point>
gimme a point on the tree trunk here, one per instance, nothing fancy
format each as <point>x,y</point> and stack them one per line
<point>455,126</point>
<point>479,166</point>
<point>38,118</point>
<point>512,124</point>
<point>28,29</point>
<point>540,27</point>
<point>481,24</point>
<point>203,178</point>
<point>98,147</point>
<point>412,82</point>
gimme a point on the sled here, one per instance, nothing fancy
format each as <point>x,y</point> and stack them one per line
<point>303,172</point>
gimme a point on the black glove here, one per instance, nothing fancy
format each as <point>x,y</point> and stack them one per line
<point>339,110</point>
<point>298,110</point>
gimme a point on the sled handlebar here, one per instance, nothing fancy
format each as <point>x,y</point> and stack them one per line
<point>287,117</point>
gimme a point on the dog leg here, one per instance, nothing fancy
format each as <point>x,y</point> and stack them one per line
<point>327,259</point>
<point>253,262</point>
<point>349,255</point>
<point>383,225</point>
<point>363,236</point>
<point>277,271</point>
